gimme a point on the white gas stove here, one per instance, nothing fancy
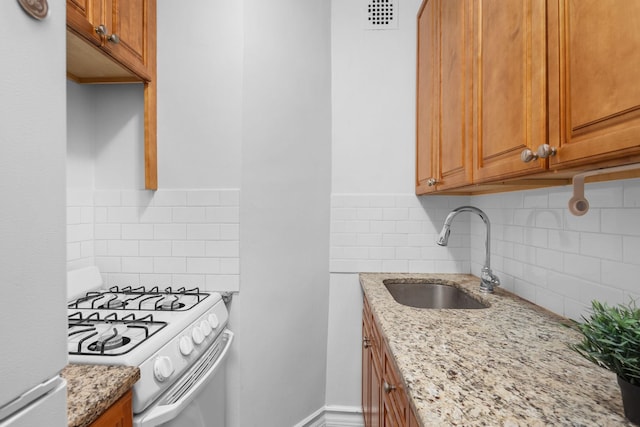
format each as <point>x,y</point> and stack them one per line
<point>175,336</point>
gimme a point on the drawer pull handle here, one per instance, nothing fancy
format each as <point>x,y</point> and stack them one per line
<point>388,388</point>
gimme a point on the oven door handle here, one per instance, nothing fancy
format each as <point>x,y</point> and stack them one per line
<point>159,414</point>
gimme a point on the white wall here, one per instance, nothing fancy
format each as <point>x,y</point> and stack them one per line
<point>284,212</point>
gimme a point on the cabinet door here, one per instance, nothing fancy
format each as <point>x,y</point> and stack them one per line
<point>375,391</point>
<point>371,372</point>
<point>427,97</point>
<point>444,95</point>
<point>118,415</point>
<point>456,95</point>
<point>594,90</point>
<point>510,87</point>
<point>83,16</point>
<point>394,400</point>
<point>129,20</point>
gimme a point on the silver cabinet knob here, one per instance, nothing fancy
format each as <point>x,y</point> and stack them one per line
<point>102,30</point>
<point>545,150</point>
<point>388,388</point>
<point>366,342</point>
<point>527,155</point>
<point>431,182</point>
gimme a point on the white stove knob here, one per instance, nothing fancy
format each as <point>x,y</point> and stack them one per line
<point>213,321</point>
<point>197,335</point>
<point>206,327</point>
<point>162,368</point>
<point>185,345</point>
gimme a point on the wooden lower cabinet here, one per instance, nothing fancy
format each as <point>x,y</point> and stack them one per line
<point>384,400</point>
<point>120,414</point>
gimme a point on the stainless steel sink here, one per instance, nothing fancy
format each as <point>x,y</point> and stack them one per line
<point>431,294</point>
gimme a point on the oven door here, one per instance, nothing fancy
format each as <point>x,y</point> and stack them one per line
<point>198,399</point>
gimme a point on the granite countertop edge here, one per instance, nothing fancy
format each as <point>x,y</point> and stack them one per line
<point>508,365</point>
<point>92,389</point>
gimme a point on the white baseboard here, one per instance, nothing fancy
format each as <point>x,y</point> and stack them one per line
<point>334,416</point>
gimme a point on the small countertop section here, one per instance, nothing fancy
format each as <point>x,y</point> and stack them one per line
<point>92,389</point>
<point>506,365</point>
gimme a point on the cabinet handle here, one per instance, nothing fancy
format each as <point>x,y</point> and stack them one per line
<point>366,342</point>
<point>431,182</point>
<point>113,38</point>
<point>102,30</point>
<point>528,155</point>
<point>545,150</point>
<point>388,388</point>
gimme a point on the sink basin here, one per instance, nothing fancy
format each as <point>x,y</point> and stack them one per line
<point>431,294</point>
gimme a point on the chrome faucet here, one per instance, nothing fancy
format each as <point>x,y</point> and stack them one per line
<point>487,279</point>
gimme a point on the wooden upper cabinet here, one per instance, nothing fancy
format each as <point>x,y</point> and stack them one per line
<point>129,19</point>
<point>444,100</point>
<point>510,87</point>
<point>125,52</point>
<point>594,96</point>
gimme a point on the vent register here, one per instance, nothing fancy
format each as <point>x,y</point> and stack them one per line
<point>380,15</point>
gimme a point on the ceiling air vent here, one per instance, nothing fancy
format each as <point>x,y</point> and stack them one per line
<point>381,15</point>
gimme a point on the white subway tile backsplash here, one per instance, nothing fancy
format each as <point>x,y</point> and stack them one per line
<point>223,249</point>
<point>170,265</point>
<point>136,197</point>
<point>107,231</point>
<point>156,215</point>
<point>161,248</point>
<point>631,249</point>
<point>631,193</point>
<point>549,218</point>
<point>203,231</point>
<point>395,214</point>
<point>122,248</point>
<point>170,198</point>
<point>621,275</point>
<point>188,248</point>
<point>539,250</point>
<point>137,231</point>
<point>229,266</point>
<point>203,265</point>
<point>162,238</point>
<point>189,214</point>
<point>621,221</point>
<point>566,241</point>
<point>604,246</point>
<point>170,231</point>
<point>223,214</point>
<point>369,213</point>
<point>137,265</point>
<point>398,266</point>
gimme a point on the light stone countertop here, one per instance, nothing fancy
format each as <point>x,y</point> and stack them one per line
<point>506,365</point>
<point>92,389</point>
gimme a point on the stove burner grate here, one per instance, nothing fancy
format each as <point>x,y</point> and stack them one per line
<point>106,335</point>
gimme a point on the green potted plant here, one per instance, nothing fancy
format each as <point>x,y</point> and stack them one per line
<point>611,339</point>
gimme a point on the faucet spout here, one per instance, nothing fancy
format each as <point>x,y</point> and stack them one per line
<point>487,279</point>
